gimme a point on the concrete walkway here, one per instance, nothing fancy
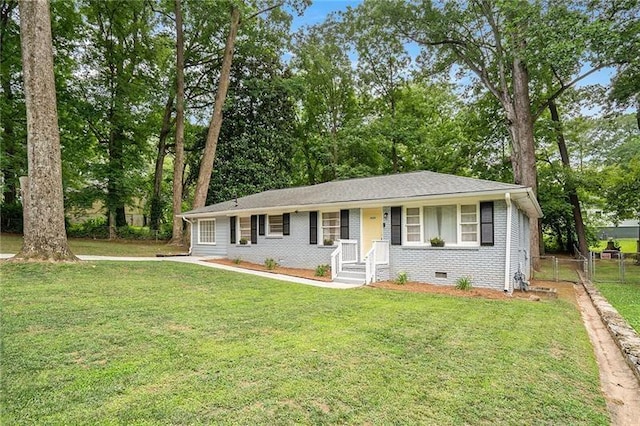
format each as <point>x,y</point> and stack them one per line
<point>202,261</point>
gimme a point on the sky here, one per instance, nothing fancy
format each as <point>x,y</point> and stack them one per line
<point>319,10</point>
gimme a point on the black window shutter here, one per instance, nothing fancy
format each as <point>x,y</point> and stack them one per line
<point>261,224</point>
<point>486,223</point>
<point>313,227</point>
<point>232,229</point>
<point>254,229</point>
<point>344,224</point>
<point>396,226</point>
<point>286,220</point>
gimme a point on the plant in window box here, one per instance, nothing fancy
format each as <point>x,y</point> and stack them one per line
<point>328,242</point>
<point>243,241</point>
<point>437,242</point>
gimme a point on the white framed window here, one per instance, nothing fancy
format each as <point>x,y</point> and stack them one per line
<point>207,231</point>
<point>456,224</point>
<point>275,225</point>
<point>244,228</point>
<point>330,226</point>
<point>413,225</point>
<point>469,223</point>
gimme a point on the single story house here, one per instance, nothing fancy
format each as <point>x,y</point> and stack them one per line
<point>374,228</point>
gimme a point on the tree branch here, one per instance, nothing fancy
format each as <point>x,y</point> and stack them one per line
<point>564,87</point>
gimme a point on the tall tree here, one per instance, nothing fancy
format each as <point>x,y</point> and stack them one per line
<point>209,154</point>
<point>570,186</point>
<point>118,80</point>
<point>178,162</point>
<point>323,64</point>
<point>383,68</point>
<point>44,233</point>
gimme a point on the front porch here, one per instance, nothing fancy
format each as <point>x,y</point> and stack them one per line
<point>347,267</point>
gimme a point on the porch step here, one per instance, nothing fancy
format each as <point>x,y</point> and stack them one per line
<point>348,280</point>
<point>359,267</point>
<point>352,273</point>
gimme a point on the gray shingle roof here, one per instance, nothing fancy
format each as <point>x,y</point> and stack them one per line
<point>398,186</point>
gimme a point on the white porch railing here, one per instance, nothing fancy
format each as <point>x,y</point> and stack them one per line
<point>336,261</point>
<point>346,252</point>
<point>378,255</point>
<point>349,250</point>
<point>382,252</point>
<point>370,266</point>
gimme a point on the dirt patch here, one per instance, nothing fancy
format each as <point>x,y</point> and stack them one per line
<point>619,385</point>
<point>293,272</point>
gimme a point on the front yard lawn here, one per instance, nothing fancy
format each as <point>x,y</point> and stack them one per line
<point>167,343</point>
<point>12,243</point>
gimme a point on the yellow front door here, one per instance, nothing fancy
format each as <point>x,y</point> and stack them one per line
<point>371,228</point>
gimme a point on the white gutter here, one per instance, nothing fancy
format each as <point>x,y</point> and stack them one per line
<point>507,258</point>
<point>190,233</point>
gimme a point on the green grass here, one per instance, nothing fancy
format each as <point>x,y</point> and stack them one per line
<point>149,343</point>
<point>625,298</point>
<point>12,243</point>
<point>627,245</point>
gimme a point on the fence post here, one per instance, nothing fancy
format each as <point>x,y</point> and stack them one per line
<point>556,269</point>
<point>621,258</point>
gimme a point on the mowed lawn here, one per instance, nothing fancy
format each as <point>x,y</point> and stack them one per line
<point>12,243</point>
<point>167,343</point>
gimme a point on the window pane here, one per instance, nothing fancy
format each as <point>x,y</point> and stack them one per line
<point>245,228</point>
<point>468,214</point>
<point>413,225</point>
<point>441,221</point>
<point>207,231</point>
<point>469,232</point>
<point>331,226</point>
<point>275,225</point>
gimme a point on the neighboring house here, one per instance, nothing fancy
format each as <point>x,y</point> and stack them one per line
<point>134,213</point>
<point>625,229</point>
<point>374,228</point>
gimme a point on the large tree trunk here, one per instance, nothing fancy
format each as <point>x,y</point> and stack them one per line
<point>569,186</point>
<point>156,197</point>
<point>178,164</point>
<point>209,155</point>
<point>524,163</point>
<point>45,237</point>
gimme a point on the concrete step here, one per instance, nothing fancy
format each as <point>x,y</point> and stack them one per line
<point>352,274</point>
<point>360,267</point>
<point>348,280</point>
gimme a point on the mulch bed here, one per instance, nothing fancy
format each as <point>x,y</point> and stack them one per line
<point>294,272</point>
<point>413,287</point>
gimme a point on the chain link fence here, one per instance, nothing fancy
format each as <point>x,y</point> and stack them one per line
<point>616,267</point>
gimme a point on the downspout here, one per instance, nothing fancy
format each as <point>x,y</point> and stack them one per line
<point>507,257</point>
<point>190,234</point>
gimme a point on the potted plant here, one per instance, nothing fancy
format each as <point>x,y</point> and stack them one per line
<point>243,241</point>
<point>437,242</point>
<point>328,242</point>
